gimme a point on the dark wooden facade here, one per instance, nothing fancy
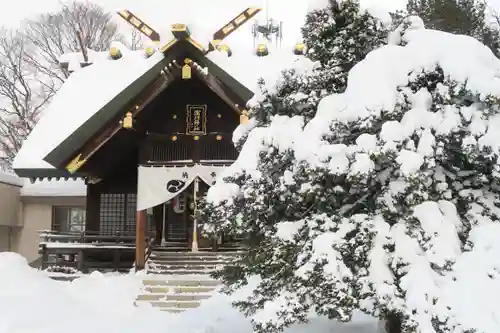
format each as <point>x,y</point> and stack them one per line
<point>182,116</point>
<point>159,137</point>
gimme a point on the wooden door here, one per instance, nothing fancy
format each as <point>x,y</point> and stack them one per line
<point>177,218</point>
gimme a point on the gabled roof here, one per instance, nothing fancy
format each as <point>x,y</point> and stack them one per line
<point>122,101</point>
<point>93,95</point>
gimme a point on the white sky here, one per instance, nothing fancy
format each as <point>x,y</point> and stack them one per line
<point>156,12</point>
<point>210,14</point>
<point>14,11</point>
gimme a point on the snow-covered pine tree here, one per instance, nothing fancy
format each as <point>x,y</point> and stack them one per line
<point>467,17</point>
<point>341,35</point>
<point>328,33</point>
<point>271,194</point>
<point>386,201</point>
<point>336,38</point>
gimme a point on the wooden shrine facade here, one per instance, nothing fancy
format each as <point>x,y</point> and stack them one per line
<point>179,114</point>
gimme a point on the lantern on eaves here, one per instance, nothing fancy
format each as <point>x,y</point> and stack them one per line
<point>186,69</point>
<point>128,121</point>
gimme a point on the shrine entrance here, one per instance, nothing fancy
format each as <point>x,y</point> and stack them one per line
<point>174,219</point>
<point>170,195</point>
<point>171,220</point>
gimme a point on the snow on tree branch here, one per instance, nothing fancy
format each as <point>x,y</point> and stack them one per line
<point>402,172</point>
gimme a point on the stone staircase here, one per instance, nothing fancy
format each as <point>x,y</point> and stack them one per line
<point>187,263</point>
<point>179,281</point>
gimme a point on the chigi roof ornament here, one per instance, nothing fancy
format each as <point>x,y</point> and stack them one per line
<point>181,31</point>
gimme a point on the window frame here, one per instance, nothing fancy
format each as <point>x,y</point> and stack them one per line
<point>68,225</point>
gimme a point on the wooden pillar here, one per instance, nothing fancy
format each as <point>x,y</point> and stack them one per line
<point>158,220</point>
<point>92,206</point>
<point>140,244</point>
<point>194,244</point>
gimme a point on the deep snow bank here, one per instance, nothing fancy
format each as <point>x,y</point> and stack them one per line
<point>32,302</point>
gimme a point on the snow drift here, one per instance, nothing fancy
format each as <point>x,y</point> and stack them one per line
<point>31,302</point>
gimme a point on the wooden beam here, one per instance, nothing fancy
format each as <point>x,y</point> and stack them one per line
<point>139,25</point>
<point>196,44</point>
<point>167,46</point>
<point>212,82</point>
<point>140,240</point>
<point>93,146</point>
<point>232,25</point>
<point>180,31</point>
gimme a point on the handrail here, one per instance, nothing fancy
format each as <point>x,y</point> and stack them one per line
<point>150,241</point>
<point>86,237</point>
<point>80,244</point>
<point>149,248</point>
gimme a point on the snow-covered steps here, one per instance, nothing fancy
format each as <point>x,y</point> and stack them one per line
<point>193,256</point>
<point>176,295</point>
<point>188,263</point>
<point>179,281</point>
<point>65,278</point>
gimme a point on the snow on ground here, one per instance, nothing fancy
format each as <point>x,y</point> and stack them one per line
<point>32,302</point>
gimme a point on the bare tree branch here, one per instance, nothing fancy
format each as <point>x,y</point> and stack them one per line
<point>22,95</point>
<point>136,41</point>
<point>56,34</point>
<point>30,73</point>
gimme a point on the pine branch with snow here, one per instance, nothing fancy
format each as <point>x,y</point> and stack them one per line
<point>342,34</point>
<point>385,202</point>
<point>337,37</point>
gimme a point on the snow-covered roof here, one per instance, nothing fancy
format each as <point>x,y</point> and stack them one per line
<point>53,188</point>
<point>9,179</point>
<point>45,187</point>
<point>85,92</point>
<point>90,88</point>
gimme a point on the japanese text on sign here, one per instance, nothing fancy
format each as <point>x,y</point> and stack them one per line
<point>196,119</point>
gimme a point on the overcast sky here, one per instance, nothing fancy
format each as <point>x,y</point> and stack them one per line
<point>14,11</point>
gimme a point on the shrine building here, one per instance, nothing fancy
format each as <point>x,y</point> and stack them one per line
<point>148,131</point>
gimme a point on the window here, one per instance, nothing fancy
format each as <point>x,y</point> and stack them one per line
<point>68,219</point>
<point>112,213</point>
<point>118,212</point>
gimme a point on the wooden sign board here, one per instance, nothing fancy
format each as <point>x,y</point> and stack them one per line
<point>196,119</point>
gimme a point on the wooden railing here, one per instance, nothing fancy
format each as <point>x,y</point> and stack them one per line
<point>117,237</point>
<point>173,148</point>
<point>86,251</point>
<point>149,248</point>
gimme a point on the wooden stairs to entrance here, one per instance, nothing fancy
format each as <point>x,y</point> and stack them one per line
<point>181,280</point>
